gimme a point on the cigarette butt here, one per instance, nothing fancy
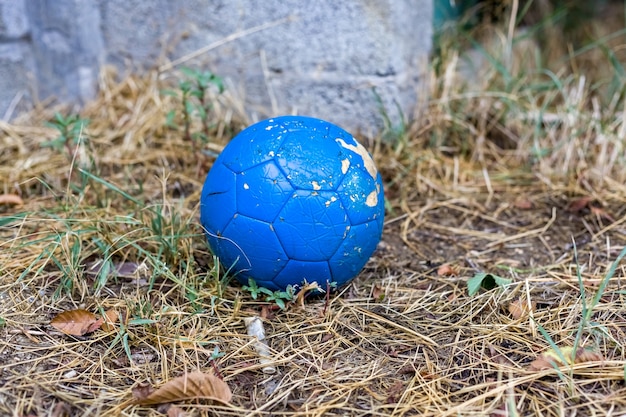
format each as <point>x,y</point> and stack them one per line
<point>255,328</point>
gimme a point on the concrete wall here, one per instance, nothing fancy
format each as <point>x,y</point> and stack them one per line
<point>321,58</point>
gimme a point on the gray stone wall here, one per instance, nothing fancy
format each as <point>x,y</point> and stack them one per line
<point>16,55</point>
<point>321,58</point>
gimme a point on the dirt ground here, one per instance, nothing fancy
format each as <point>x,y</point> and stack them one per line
<point>520,190</point>
<point>404,338</point>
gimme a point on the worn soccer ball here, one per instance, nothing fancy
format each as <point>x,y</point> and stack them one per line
<point>291,200</point>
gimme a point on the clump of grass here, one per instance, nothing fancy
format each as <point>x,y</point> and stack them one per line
<point>196,104</point>
<point>495,99</point>
<point>280,298</point>
<point>72,141</point>
<point>70,134</point>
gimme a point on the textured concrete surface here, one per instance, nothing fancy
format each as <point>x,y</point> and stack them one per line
<point>322,58</point>
<point>16,57</point>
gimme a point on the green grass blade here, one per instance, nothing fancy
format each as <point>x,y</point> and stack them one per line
<point>111,187</point>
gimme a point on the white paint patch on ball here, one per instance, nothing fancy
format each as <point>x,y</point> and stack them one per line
<point>345,164</point>
<point>372,199</point>
<point>360,150</point>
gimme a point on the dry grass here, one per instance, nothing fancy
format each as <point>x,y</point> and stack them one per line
<point>484,180</point>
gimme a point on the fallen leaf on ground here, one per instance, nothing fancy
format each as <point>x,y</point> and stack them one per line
<point>174,411</point>
<point>394,392</point>
<point>194,385</point>
<point>109,319</point>
<point>550,358</point>
<point>75,322</point>
<point>11,199</point>
<point>378,293</point>
<point>523,204</point>
<point>579,204</point>
<point>266,313</point>
<point>142,391</point>
<point>601,213</point>
<point>105,322</point>
<point>95,325</point>
<point>520,308</point>
<point>446,271</point>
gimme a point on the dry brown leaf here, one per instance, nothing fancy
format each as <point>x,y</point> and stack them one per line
<point>446,271</point>
<point>75,322</point>
<point>105,322</point>
<point>11,199</point>
<point>194,385</point>
<point>579,204</point>
<point>95,325</point>
<point>452,297</point>
<point>378,293</point>
<point>601,213</point>
<point>542,362</point>
<point>588,355</point>
<point>550,358</point>
<point>109,318</point>
<point>266,313</point>
<point>395,392</point>
<point>520,308</point>
<point>523,204</point>
<point>142,391</point>
<point>174,411</point>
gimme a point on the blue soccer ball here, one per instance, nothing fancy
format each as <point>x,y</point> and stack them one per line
<point>293,199</point>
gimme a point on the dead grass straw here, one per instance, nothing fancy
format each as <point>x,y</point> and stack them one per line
<point>489,179</point>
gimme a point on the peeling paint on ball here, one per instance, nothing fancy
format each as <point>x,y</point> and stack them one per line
<point>360,150</point>
<point>293,199</point>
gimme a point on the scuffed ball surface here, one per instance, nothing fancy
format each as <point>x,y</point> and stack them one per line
<point>292,199</point>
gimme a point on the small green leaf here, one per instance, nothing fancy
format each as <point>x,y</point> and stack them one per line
<point>216,353</point>
<point>185,87</point>
<point>197,93</point>
<point>169,119</point>
<point>192,296</point>
<point>265,291</point>
<point>190,106</point>
<point>189,72</point>
<point>474,283</point>
<point>56,144</point>
<point>199,137</point>
<point>201,112</point>
<point>485,280</point>
<point>252,288</point>
<point>217,81</point>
